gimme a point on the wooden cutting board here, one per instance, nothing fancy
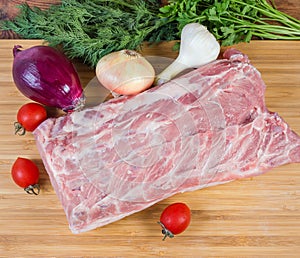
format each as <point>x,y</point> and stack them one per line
<point>245,218</point>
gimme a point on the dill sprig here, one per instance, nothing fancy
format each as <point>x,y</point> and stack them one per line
<point>90,29</point>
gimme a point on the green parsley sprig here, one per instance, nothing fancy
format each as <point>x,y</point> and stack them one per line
<point>234,21</point>
<point>90,29</point>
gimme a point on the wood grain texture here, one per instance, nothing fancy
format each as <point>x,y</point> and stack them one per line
<point>253,217</point>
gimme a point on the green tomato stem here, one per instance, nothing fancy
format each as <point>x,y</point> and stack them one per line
<point>19,129</point>
<point>165,231</point>
<point>33,189</point>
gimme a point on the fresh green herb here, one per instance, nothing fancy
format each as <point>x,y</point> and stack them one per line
<point>90,29</point>
<point>234,21</point>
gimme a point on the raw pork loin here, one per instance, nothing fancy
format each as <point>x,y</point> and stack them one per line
<point>205,128</point>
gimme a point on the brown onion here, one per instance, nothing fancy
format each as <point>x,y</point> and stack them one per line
<point>125,72</point>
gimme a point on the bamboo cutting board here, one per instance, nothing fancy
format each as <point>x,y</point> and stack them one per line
<point>253,217</point>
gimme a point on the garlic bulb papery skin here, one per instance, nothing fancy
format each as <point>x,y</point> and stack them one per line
<point>197,47</point>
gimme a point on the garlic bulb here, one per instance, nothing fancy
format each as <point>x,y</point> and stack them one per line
<point>197,47</point>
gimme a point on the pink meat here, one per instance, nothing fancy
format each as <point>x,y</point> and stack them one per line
<point>205,128</point>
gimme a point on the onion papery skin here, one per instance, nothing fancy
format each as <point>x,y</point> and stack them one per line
<point>45,75</point>
<point>125,72</point>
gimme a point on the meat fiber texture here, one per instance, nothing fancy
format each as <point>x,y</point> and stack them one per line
<point>205,128</point>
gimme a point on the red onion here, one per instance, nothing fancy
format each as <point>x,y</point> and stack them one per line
<point>45,75</point>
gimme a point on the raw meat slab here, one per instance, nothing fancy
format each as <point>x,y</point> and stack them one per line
<point>205,128</point>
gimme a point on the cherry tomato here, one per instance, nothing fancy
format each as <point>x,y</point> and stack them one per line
<point>25,174</point>
<point>29,117</point>
<point>175,219</point>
